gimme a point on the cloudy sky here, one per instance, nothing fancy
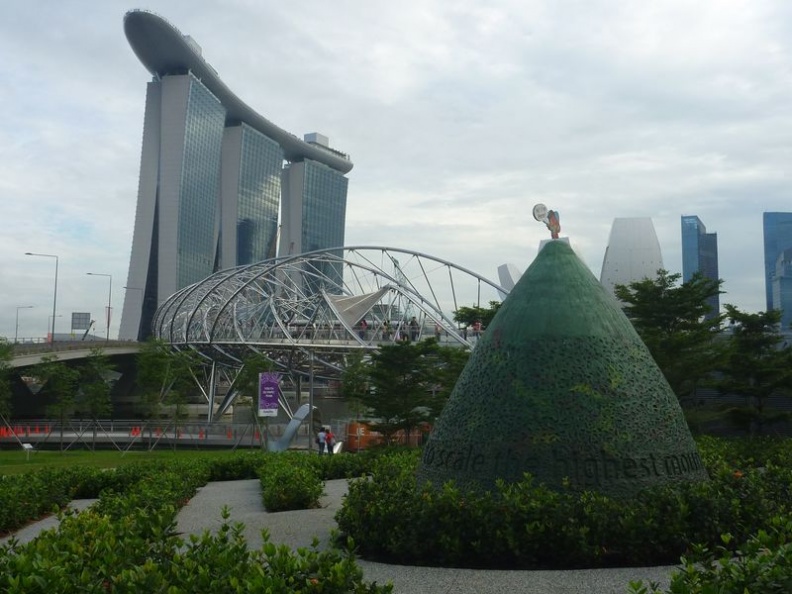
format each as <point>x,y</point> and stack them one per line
<point>459,117</point>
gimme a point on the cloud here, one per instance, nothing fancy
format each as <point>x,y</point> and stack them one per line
<point>459,117</point>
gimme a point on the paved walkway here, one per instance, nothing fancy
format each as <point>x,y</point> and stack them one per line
<point>298,529</point>
<point>31,531</point>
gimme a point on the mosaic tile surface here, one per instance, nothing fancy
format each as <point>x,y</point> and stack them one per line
<point>561,386</point>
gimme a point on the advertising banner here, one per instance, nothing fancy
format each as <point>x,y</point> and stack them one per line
<point>269,382</point>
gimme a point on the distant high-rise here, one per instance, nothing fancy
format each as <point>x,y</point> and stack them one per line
<point>213,179</point>
<point>778,263</point>
<point>633,253</point>
<point>700,254</point>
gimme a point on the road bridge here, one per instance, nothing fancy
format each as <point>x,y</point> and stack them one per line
<point>26,355</point>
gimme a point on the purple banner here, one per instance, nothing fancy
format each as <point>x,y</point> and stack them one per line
<point>268,393</point>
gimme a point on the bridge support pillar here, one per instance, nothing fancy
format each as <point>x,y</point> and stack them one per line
<point>212,390</point>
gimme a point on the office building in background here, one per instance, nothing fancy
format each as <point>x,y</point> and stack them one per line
<point>632,254</point>
<point>700,254</point>
<point>777,228</point>
<point>214,176</point>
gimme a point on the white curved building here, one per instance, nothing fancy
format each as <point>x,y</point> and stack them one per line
<point>633,253</point>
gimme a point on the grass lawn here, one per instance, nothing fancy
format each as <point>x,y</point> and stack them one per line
<point>16,461</point>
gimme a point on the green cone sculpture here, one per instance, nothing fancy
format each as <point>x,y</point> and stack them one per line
<point>561,386</point>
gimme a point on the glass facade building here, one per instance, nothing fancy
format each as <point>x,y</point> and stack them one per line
<point>199,185</point>
<point>314,210</point>
<point>214,178</point>
<point>777,228</point>
<point>252,165</point>
<point>700,254</point>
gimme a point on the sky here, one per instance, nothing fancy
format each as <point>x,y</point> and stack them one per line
<point>459,117</point>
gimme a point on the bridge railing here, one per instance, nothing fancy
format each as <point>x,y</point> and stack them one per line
<point>32,348</point>
<point>139,434</point>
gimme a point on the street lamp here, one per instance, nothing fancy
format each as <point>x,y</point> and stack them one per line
<point>50,318</point>
<point>109,298</point>
<point>16,332</point>
<point>55,294</point>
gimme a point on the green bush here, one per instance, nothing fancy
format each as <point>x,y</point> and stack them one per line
<point>343,465</point>
<point>762,564</point>
<point>239,466</point>
<point>290,481</point>
<point>123,547</point>
<point>526,525</point>
<point>24,497</point>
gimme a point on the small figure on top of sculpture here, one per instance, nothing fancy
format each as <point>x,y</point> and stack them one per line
<point>550,218</point>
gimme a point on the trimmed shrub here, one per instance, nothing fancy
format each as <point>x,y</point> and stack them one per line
<point>289,481</point>
<point>239,466</point>
<point>762,564</point>
<point>526,525</point>
<point>122,546</point>
<point>24,497</point>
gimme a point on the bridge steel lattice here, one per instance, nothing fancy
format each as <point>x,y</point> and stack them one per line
<point>306,313</point>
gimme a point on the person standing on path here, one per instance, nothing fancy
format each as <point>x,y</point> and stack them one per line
<point>321,440</point>
<point>329,440</point>
<point>414,329</point>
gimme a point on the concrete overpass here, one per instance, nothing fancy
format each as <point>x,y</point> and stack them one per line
<point>26,355</point>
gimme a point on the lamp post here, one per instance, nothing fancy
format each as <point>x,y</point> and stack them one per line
<point>16,332</point>
<point>109,299</point>
<point>51,318</point>
<point>55,293</point>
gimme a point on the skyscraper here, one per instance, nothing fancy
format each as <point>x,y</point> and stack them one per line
<point>214,175</point>
<point>633,253</point>
<point>700,254</point>
<point>778,263</point>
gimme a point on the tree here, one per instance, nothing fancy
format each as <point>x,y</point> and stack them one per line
<point>6,354</point>
<point>247,384</point>
<point>467,316</point>
<point>181,377</point>
<point>445,365</point>
<point>756,365</point>
<point>165,377</point>
<point>95,384</point>
<point>153,362</point>
<point>355,381</point>
<point>59,383</point>
<point>409,384</point>
<point>670,319</point>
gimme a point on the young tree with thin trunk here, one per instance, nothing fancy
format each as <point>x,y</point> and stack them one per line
<point>409,384</point>
<point>59,385</point>
<point>165,377</point>
<point>247,384</point>
<point>6,354</point>
<point>95,386</point>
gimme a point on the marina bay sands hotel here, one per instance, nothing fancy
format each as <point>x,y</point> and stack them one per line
<point>214,178</point>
